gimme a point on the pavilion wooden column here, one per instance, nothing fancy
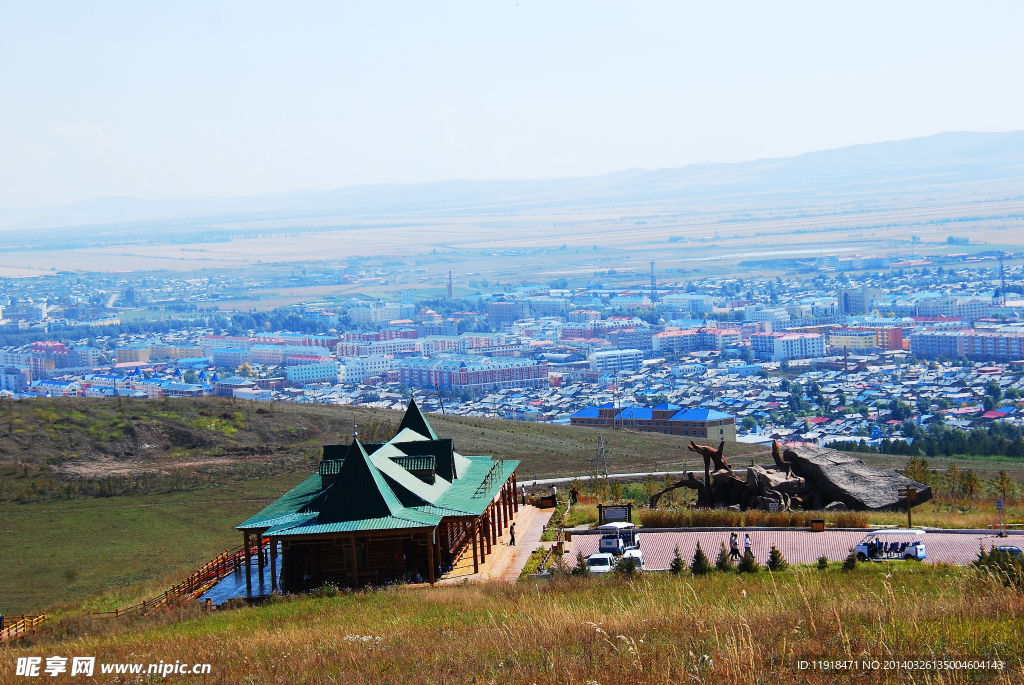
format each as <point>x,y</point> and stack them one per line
<point>430,555</point>
<point>515,493</point>
<point>492,528</point>
<point>273,564</point>
<point>476,563</point>
<point>504,505</point>
<point>259,556</point>
<point>355,564</point>
<point>485,538</point>
<point>497,514</point>
<point>437,549</point>
<point>248,566</point>
<point>510,501</point>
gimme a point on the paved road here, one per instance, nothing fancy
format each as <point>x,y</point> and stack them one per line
<point>799,547</point>
<point>558,481</point>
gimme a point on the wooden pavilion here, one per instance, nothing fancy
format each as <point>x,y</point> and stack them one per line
<point>375,513</point>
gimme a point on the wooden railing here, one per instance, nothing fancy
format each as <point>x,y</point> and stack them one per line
<point>208,575</point>
<point>26,625</point>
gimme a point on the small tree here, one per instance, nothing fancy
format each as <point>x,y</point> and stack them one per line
<point>701,565</point>
<point>723,562</point>
<point>952,478</point>
<point>1004,486</point>
<point>776,562</point>
<point>627,566</point>
<point>822,563</point>
<point>748,564</point>
<point>969,483</point>
<point>677,565</point>
<point>851,562</point>
<point>581,569</point>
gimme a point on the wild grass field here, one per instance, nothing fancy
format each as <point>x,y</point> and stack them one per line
<point>655,628</point>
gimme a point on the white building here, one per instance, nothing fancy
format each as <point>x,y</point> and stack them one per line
<point>609,361</point>
<point>321,372</point>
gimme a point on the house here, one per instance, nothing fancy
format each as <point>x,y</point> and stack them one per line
<point>380,512</point>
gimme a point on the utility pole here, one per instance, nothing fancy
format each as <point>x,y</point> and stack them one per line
<point>451,288</point>
<point>1002,278</point>
<point>654,286</point>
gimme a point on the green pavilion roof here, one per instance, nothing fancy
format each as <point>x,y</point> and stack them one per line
<point>373,487</point>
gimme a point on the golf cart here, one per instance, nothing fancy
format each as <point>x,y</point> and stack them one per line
<point>618,537</point>
<point>889,545</point>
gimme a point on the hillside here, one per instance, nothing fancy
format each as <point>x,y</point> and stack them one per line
<point>89,438</point>
<point>948,166</point>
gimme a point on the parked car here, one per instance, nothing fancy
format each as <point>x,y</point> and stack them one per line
<point>601,562</point>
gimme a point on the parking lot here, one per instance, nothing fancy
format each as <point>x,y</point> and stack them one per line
<point>798,546</point>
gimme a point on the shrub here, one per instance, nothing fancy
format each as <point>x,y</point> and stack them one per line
<point>748,564</point>
<point>1009,569</point>
<point>851,562</point>
<point>627,566</point>
<point>581,569</point>
<point>677,565</point>
<point>822,563</point>
<point>723,562</point>
<point>776,562</point>
<point>701,565</point>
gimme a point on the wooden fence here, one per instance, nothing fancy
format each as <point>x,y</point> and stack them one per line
<point>26,625</point>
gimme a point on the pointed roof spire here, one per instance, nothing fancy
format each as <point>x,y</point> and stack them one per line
<point>359,491</point>
<point>416,422</point>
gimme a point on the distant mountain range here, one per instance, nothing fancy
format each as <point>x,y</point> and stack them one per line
<point>940,168</point>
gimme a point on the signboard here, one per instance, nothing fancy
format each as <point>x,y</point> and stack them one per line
<point>614,514</point>
<point>909,494</point>
<point>773,506</point>
<point>999,504</point>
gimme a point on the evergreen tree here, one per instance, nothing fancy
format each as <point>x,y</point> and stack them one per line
<point>581,570</point>
<point>677,565</point>
<point>777,562</point>
<point>851,562</point>
<point>1004,485</point>
<point>701,565</point>
<point>723,562</point>
<point>969,483</point>
<point>748,564</point>
<point>822,563</point>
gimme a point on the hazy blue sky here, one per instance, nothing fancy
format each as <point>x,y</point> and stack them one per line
<point>161,100</point>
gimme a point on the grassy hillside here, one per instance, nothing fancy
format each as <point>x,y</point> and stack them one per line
<point>723,628</point>
<point>213,436</point>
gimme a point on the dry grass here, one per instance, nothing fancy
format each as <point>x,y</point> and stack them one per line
<point>722,628</point>
<point>724,518</point>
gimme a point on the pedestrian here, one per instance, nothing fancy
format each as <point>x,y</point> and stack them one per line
<point>734,546</point>
<point>554,492</point>
<point>512,535</point>
<point>574,494</point>
<point>522,493</point>
<point>746,543</point>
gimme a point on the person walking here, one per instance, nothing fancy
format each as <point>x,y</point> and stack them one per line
<point>574,495</point>
<point>746,543</point>
<point>512,535</point>
<point>734,546</point>
<point>522,493</point>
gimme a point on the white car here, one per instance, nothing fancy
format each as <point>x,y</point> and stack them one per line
<point>601,562</point>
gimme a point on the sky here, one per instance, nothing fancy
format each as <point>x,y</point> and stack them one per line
<point>174,100</point>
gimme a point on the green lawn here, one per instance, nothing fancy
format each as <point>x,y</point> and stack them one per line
<point>117,549</point>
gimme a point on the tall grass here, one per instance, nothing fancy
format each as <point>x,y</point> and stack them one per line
<point>721,628</point>
<point>724,518</point>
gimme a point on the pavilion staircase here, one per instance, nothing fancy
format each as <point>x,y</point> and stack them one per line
<point>208,575</point>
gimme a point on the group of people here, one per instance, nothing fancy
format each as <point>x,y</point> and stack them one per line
<point>734,545</point>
